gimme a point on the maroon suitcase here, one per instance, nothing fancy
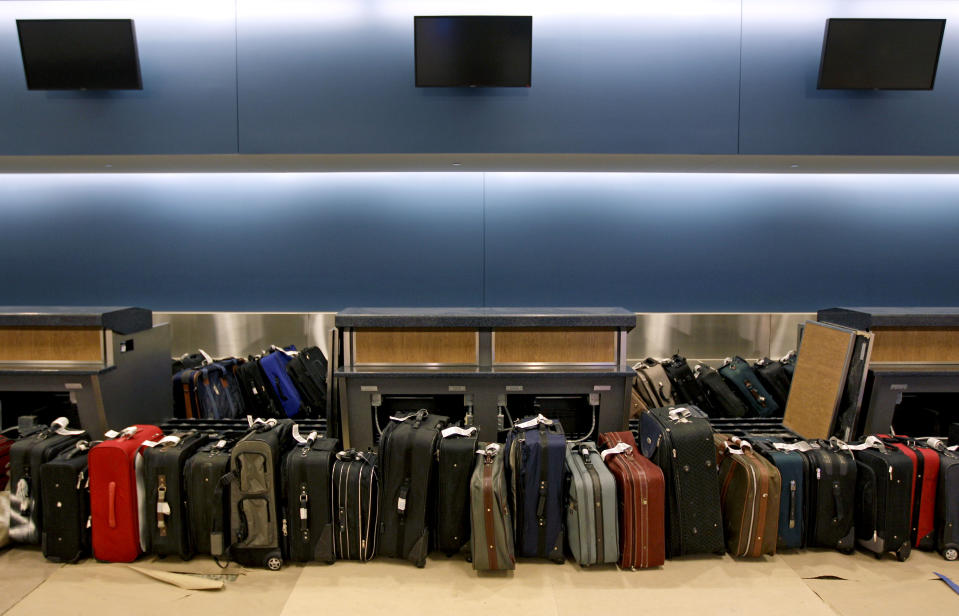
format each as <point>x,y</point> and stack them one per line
<point>642,502</point>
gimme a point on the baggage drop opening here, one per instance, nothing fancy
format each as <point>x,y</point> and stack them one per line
<point>454,406</point>
<point>46,406</point>
<point>926,414</point>
<point>576,413</point>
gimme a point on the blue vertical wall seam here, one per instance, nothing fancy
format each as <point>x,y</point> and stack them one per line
<point>236,68</point>
<point>484,239</point>
<point>739,89</point>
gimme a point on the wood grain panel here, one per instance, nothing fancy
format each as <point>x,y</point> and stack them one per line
<point>916,344</point>
<point>818,380</point>
<point>51,344</point>
<point>568,346</point>
<point>415,346</point>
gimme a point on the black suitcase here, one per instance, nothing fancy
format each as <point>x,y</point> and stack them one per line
<point>454,462</point>
<point>27,455</point>
<point>407,448</point>
<point>773,377</point>
<point>745,382</point>
<point>308,503</point>
<point>258,397</point>
<point>355,505</point>
<point>883,493</point>
<point>256,537</point>
<point>680,441</point>
<point>723,401</point>
<point>307,370</point>
<point>686,389</point>
<point>204,502</point>
<point>165,515</point>
<point>830,495</point>
<point>66,518</point>
<point>947,500</point>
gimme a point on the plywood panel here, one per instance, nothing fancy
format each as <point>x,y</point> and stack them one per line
<point>51,344</point>
<point>572,346</point>
<point>415,346</point>
<point>916,344</point>
<point>819,379</point>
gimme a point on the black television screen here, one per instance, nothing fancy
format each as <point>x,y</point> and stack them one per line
<point>880,54</point>
<point>79,54</point>
<point>473,51</point>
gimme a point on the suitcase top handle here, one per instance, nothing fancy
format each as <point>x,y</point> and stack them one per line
<point>489,452</point>
<point>535,421</point>
<point>680,415</point>
<point>352,454</point>
<point>619,448</point>
<point>939,445</point>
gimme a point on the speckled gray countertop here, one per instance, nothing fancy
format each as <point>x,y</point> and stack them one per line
<point>869,317</point>
<point>122,319</point>
<point>486,317</point>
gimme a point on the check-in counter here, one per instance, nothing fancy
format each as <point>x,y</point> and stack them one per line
<point>483,366</point>
<point>112,361</point>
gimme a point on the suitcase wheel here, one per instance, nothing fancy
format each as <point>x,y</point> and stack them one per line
<point>878,555</point>
<point>950,553</point>
<point>274,563</point>
<point>903,552</point>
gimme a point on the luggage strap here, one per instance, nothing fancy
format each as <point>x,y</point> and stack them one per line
<point>619,448</point>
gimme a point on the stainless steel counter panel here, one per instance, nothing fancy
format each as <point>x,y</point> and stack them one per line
<point>238,334</point>
<point>706,336</point>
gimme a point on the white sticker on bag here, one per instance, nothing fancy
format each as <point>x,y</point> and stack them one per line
<point>457,431</point>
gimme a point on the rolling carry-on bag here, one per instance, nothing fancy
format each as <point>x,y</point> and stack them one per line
<point>591,515</point>
<point>536,449</point>
<point>740,376</point>
<point>27,456</point>
<point>642,496</point>
<point>773,377</point>
<point>204,502</point>
<point>66,516</point>
<point>491,543</point>
<point>830,496</point>
<point>355,505</point>
<point>309,508</point>
<point>686,389</point>
<point>115,497</point>
<point>925,481</point>
<point>723,401</point>
<point>454,463</point>
<point>653,384</point>
<point>947,501</point>
<point>284,391</point>
<point>883,488</point>
<point>407,450</point>
<point>307,369</point>
<point>680,441</point>
<point>258,397</point>
<point>165,493</point>
<point>793,468</point>
<point>256,537</point>
<point>751,487</point>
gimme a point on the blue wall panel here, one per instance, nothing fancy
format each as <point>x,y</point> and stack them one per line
<point>187,105</point>
<point>783,112</point>
<point>721,242</point>
<point>337,76</point>
<point>266,242</point>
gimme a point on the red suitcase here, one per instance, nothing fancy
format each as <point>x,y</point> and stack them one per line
<point>113,493</point>
<point>642,502</point>
<point>925,481</point>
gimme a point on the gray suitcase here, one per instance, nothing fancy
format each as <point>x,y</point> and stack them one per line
<point>491,546</point>
<point>592,519</point>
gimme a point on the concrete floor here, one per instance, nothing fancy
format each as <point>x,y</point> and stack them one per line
<point>811,583</point>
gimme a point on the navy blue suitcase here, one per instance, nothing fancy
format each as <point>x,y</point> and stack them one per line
<point>536,464</point>
<point>742,378</point>
<point>794,469</point>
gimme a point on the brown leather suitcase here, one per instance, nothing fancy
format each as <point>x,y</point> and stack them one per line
<point>642,502</point>
<point>749,492</point>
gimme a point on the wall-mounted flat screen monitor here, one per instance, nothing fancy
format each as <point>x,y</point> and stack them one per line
<point>473,51</point>
<point>880,54</point>
<point>79,54</point>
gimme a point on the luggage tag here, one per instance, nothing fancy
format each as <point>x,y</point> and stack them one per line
<point>60,424</point>
<point>538,420</point>
<point>260,422</point>
<point>800,446</point>
<point>619,448</point>
<point>680,415</point>
<point>871,442</point>
<point>939,445</point>
<point>457,431</point>
<point>127,432</point>
<point>312,436</point>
